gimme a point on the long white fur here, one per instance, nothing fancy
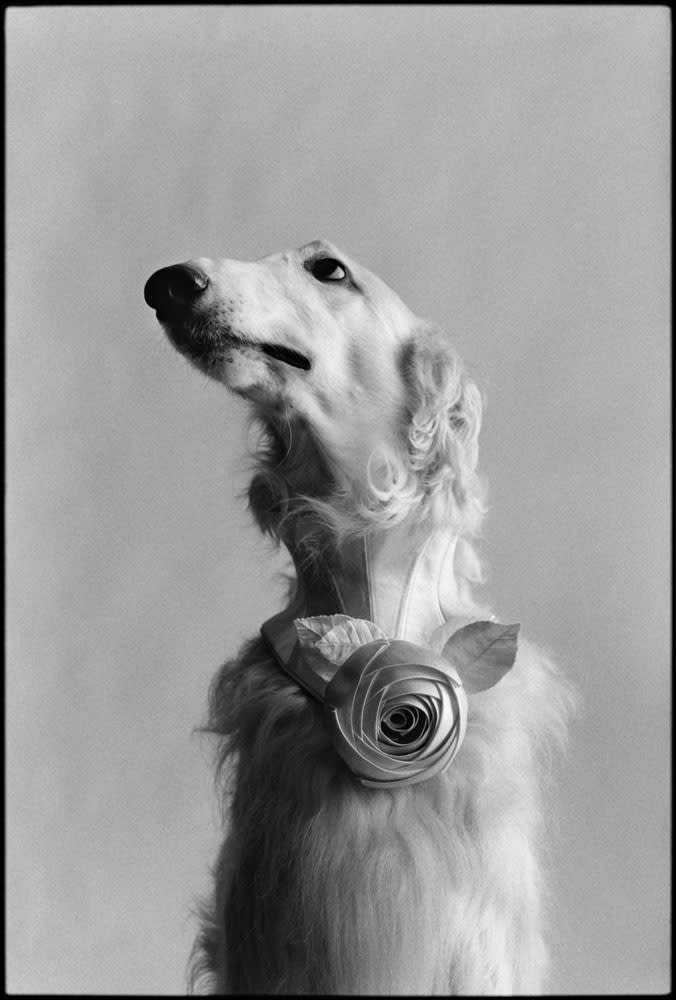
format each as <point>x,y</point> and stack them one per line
<point>321,885</point>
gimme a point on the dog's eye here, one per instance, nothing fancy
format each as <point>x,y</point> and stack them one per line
<point>327,269</point>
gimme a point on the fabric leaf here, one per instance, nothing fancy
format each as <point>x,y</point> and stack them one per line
<point>482,653</point>
<point>311,630</point>
<point>346,637</point>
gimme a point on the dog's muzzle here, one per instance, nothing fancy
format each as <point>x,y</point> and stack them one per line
<point>173,291</point>
<point>176,294</point>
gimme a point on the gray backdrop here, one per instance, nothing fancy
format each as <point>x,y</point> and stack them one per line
<point>506,170</point>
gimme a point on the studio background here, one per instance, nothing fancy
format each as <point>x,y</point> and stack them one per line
<point>506,170</point>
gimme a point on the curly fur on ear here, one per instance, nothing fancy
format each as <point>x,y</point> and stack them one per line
<point>445,418</point>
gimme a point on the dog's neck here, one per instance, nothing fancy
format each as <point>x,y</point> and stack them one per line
<point>402,579</point>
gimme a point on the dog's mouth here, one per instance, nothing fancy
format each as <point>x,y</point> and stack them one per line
<point>286,355</point>
<point>200,346</point>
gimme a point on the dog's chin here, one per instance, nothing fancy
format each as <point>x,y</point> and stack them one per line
<point>262,372</point>
<point>250,374</point>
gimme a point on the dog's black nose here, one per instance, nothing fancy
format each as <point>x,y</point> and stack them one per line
<point>173,288</point>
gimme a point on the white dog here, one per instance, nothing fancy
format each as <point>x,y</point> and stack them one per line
<point>370,426</point>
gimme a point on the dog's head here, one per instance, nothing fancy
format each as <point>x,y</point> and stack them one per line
<point>367,408</point>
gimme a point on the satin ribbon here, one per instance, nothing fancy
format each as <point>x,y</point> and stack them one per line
<point>396,710</point>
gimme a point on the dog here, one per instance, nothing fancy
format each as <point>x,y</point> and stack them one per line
<point>369,442</point>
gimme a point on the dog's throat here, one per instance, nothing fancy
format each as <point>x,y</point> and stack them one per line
<point>403,581</point>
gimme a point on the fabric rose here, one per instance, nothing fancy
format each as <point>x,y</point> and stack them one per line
<point>397,711</point>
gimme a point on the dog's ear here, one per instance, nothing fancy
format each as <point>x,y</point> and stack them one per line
<point>443,421</point>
